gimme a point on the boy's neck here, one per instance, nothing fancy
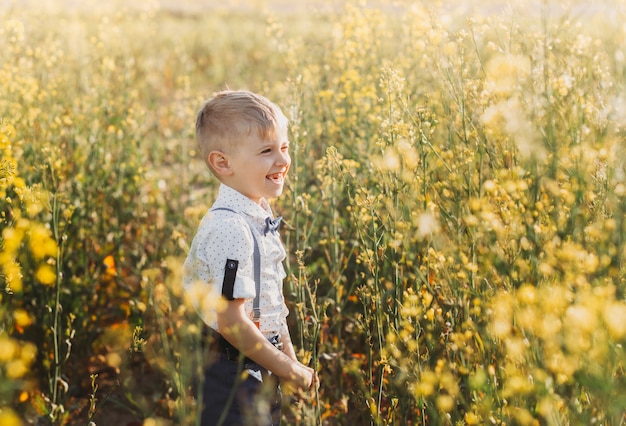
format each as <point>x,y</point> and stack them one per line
<point>262,202</point>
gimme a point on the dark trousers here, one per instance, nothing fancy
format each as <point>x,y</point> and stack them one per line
<point>239,393</point>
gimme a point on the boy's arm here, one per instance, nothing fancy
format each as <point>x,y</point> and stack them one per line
<point>285,339</point>
<point>240,331</point>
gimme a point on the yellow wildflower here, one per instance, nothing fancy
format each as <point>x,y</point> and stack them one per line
<point>8,417</point>
<point>615,319</point>
<point>445,403</point>
<point>41,243</point>
<point>8,348</point>
<point>504,71</point>
<point>22,318</point>
<point>46,274</point>
<point>16,368</point>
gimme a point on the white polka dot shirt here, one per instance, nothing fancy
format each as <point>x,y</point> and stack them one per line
<point>226,235</point>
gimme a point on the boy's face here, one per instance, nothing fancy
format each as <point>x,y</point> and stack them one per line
<point>259,166</point>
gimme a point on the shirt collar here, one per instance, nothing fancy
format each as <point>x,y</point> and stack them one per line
<point>232,199</point>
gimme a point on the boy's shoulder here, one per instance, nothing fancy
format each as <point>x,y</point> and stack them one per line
<point>224,217</point>
<point>222,228</point>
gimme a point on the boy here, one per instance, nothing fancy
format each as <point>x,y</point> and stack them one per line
<point>236,258</point>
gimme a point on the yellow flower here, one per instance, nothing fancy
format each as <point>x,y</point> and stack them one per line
<point>409,154</point>
<point>391,161</point>
<point>517,385</point>
<point>426,385</point>
<point>489,186</point>
<point>524,417</point>
<point>430,314</point>
<point>41,244</point>
<point>445,403</point>
<point>6,131</point>
<point>581,318</point>
<point>22,318</point>
<point>516,348</point>
<point>549,325</point>
<point>8,171</point>
<point>9,418</point>
<point>8,348</point>
<point>448,381</point>
<point>548,407</point>
<point>16,368</point>
<point>615,319</point>
<point>34,198</point>
<point>11,239</point>
<point>427,225</point>
<point>28,352</point>
<point>504,71</point>
<point>502,315</point>
<point>113,359</point>
<point>562,366</point>
<point>12,273</point>
<point>471,418</point>
<point>527,294</point>
<point>46,275</point>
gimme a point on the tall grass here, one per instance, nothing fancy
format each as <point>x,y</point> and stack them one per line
<point>454,215</point>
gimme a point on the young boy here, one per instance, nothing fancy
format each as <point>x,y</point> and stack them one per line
<point>236,259</point>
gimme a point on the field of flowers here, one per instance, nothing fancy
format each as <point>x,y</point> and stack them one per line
<point>455,215</point>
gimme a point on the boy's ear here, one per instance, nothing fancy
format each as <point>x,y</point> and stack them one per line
<point>219,163</point>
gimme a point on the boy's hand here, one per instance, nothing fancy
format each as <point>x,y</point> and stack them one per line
<point>300,380</point>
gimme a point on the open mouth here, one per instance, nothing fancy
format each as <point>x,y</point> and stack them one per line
<point>276,177</point>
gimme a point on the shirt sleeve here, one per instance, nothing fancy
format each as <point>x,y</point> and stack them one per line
<point>225,237</point>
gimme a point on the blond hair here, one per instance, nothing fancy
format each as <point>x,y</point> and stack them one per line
<point>235,114</point>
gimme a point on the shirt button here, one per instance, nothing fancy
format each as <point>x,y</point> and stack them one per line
<point>231,265</point>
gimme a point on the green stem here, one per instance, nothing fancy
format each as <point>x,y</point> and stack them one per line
<point>56,334</point>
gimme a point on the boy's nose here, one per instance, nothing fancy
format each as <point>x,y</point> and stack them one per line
<point>283,158</point>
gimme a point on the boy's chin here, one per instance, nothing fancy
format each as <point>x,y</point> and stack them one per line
<point>274,195</point>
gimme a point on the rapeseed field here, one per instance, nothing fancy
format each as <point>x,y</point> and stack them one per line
<point>455,214</point>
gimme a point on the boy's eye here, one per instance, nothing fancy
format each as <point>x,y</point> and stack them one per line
<point>266,150</point>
